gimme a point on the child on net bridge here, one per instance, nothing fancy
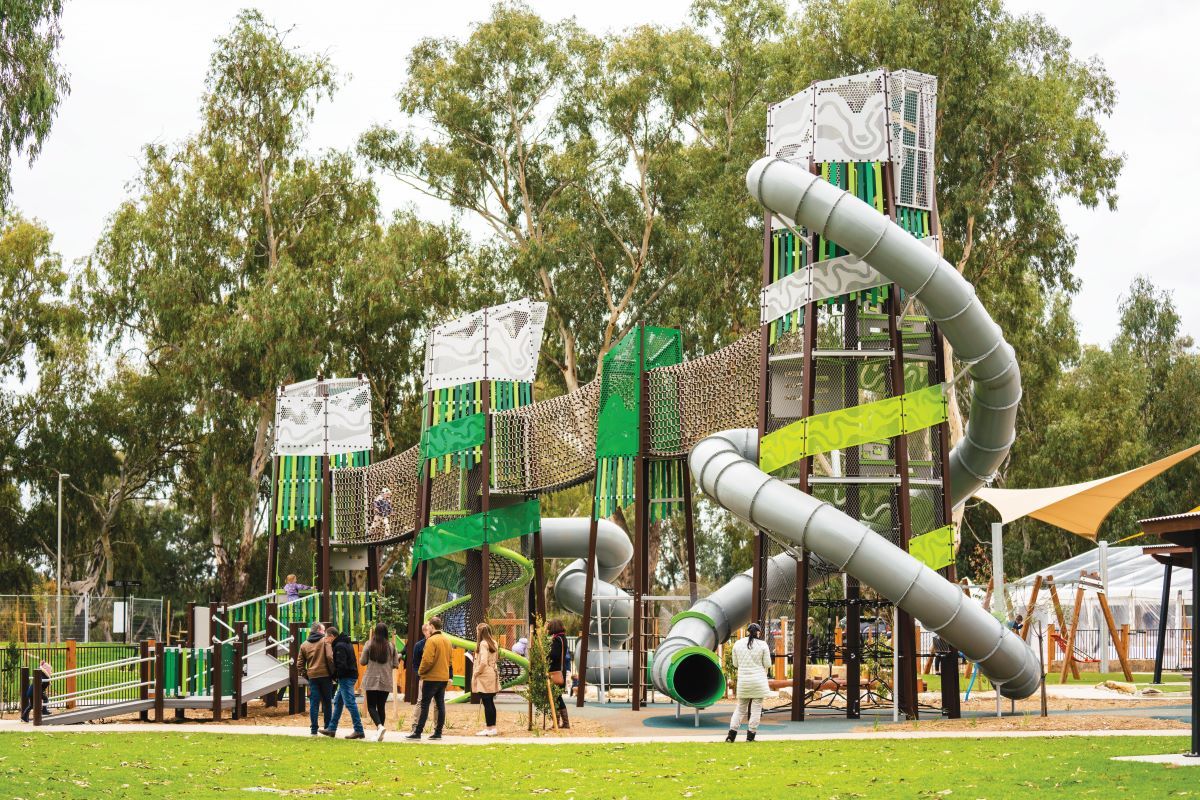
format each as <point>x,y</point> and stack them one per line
<point>751,659</point>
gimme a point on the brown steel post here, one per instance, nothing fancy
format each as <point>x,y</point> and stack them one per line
<point>39,681</point>
<point>190,641</point>
<point>539,576</point>
<point>641,539</point>
<point>23,686</point>
<point>144,675</point>
<point>372,569</point>
<point>485,498</point>
<point>272,531</point>
<point>416,597</point>
<point>689,532</point>
<point>589,587</point>
<point>904,635</point>
<point>800,642</point>
<point>758,576</point>
<point>853,640</point>
<point>160,681</point>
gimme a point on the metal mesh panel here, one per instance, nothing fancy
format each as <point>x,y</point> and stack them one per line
<point>730,374</point>
<point>548,445</point>
<point>780,607</point>
<point>297,555</point>
<point>356,515</point>
<point>912,97</point>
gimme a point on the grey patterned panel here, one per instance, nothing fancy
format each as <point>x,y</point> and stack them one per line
<point>833,277</point>
<point>851,119</point>
<point>454,353</point>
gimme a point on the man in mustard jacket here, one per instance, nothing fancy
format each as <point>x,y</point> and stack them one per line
<point>435,674</point>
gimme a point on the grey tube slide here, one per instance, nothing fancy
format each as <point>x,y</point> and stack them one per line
<point>612,608</point>
<point>726,463</point>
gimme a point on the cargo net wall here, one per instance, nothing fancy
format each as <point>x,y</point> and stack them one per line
<point>698,398</point>
<point>548,445</point>
<point>363,512</point>
<point>297,555</point>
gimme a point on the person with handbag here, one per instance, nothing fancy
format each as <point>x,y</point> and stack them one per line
<point>485,676</point>
<point>560,665</point>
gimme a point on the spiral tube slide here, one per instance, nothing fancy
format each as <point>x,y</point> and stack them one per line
<point>725,464</point>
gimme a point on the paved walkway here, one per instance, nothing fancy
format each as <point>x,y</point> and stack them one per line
<point>396,737</point>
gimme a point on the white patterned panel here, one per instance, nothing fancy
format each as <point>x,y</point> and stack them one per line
<point>496,343</point>
<point>833,277</point>
<point>790,124</point>
<point>454,353</point>
<point>348,418</point>
<point>514,340</point>
<point>851,119</point>
<point>299,426</point>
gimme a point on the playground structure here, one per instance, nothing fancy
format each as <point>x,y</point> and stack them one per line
<point>826,429</point>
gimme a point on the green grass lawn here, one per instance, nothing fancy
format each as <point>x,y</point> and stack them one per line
<point>177,765</point>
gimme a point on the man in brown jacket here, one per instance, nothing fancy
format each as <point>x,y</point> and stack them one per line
<point>316,661</point>
<point>435,674</point>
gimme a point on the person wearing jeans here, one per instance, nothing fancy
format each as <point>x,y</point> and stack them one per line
<point>315,665</point>
<point>345,675</point>
<point>435,674</point>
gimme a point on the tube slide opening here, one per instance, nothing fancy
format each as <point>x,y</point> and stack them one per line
<point>695,677</point>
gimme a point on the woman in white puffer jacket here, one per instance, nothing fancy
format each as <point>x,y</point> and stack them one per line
<point>751,659</point>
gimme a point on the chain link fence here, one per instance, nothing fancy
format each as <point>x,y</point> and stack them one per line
<point>28,618</point>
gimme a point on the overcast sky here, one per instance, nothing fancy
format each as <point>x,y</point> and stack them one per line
<point>137,71</point>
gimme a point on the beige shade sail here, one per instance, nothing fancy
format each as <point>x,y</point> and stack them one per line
<point>1081,507</point>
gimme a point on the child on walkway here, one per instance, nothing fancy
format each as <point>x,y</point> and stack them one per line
<point>751,659</point>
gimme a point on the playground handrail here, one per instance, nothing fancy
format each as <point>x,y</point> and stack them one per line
<point>70,673</point>
<point>82,693</point>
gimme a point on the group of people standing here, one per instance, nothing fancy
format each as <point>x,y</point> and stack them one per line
<point>328,662</point>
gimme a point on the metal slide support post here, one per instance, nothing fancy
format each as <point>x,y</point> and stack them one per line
<point>758,577</point>
<point>689,532</point>
<point>1163,609</point>
<point>1104,633</point>
<point>588,589</point>
<point>998,567</point>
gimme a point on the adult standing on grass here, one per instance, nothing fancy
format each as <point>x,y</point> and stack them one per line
<point>485,677</point>
<point>380,659</point>
<point>751,659</point>
<point>435,674</point>
<point>316,665</point>
<point>345,675</point>
<point>559,663</point>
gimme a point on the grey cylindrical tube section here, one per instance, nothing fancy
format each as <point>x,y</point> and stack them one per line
<point>788,189</point>
<point>721,463</point>
<point>612,608</point>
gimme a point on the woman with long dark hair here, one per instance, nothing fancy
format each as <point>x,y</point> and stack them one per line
<point>380,658</point>
<point>751,659</point>
<point>559,666</point>
<point>485,676</point>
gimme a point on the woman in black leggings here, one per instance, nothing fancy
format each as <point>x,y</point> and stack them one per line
<point>560,666</point>
<point>485,676</point>
<point>380,659</point>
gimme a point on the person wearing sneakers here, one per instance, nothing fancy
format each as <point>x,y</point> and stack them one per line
<point>316,666</point>
<point>345,675</point>
<point>751,659</point>
<point>435,674</point>
<point>485,677</point>
<point>380,658</point>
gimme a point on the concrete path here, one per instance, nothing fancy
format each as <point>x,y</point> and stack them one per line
<point>396,737</point>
